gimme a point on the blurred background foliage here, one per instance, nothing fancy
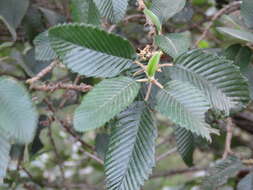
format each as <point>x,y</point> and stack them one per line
<point>55,159</point>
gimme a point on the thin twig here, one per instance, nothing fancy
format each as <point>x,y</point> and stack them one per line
<point>56,86</point>
<point>148,91</point>
<point>229,137</point>
<point>42,73</point>
<point>166,154</point>
<point>226,9</point>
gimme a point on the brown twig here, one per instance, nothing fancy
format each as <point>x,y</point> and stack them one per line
<point>42,73</point>
<point>229,136</point>
<point>56,86</point>
<point>227,9</point>
<point>166,154</point>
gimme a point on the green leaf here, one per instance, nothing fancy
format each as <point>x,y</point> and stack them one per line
<point>221,172</point>
<point>101,144</point>
<point>18,117</point>
<point>5,148</point>
<point>165,9</point>
<point>238,34</point>
<point>91,51</point>
<point>153,64</point>
<point>52,17</point>
<point>217,77</point>
<point>185,144</point>
<point>43,49</point>
<point>154,19</point>
<point>131,154</point>
<point>12,13</point>
<point>106,100</point>
<point>85,11</point>
<point>174,44</point>
<point>186,106</point>
<point>247,13</point>
<point>246,183</point>
<point>113,10</point>
<point>241,55</point>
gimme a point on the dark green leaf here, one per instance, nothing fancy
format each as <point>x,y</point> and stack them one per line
<point>85,11</point>
<point>18,117</point>
<point>52,17</point>
<point>102,141</point>
<point>238,34</point>
<point>217,77</point>
<point>185,105</point>
<point>12,13</point>
<point>91,51</point>
<point>185,144</point>
<point>131,154</point>
<point>107,99</point>
<point>113,10</point>
<point>174,44</point>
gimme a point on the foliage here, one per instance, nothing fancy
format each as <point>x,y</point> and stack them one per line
<point>128,85</point>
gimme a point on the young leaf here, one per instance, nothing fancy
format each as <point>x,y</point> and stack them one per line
<point>154,19</point>
<point>238,34</point>
<point>131,154</point>
<point>153,64</point>
<point>106,100</point>
<point>247,13</point>
<point>217,77</point>
<point>114,10</point>
<point>18,117</point>
<point>221,172</point>
<point>12,13</point>
<point>165,9</point>
<point>246,183</point>
<point>43,49</point>
<point>173,44</point>
<point>5,148</point>
<point>186,106</point>
<point>85,11</point>
<point>91,51</point>
<point>185,144</point>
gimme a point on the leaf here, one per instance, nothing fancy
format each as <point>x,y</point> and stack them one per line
<point>185,105</point>
<point>5,148</point>
<point>185,15</point>
<point>153,64</point>
<point>217,77</point>
<point>43,49</point>
<point>12,13</point>
<point>52,17</point>
<point>185,144</point>
<point>101,144</point>
<point>131,154</point>
<point>246,183</point>
<point>85,11</point>
<point>238,34</point>
<point>241,55</point>
<point>91,51</point>
<point>18,117</point>
<point>154,19</point>
<point>247,13</point>
<point>165,9</point>
<point>106,100</point>
<point>221,172</point>
<point>174,44</point>
<point>113,10</point>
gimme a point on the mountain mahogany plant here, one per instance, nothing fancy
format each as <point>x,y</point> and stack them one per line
<point>191,87</point>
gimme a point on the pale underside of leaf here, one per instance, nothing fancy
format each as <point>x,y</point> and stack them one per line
<point>114,10</point>
<point>107,99</point>
<point>5,147</point>
<point>246,183</point>
<point>217,77</point>
<point>43,49</point>
<point>238,34</point>
<point>91,51</point>
<point>247,13</point>
<point>18,117</point>
<point>186,106</point>
<point>131,154</point>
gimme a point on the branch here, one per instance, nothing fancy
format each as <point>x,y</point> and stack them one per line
<point>166,154</point>
<point>229,136</point>
<point>227,9</point>
<point>42,73</point>
<point>56,86</point>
